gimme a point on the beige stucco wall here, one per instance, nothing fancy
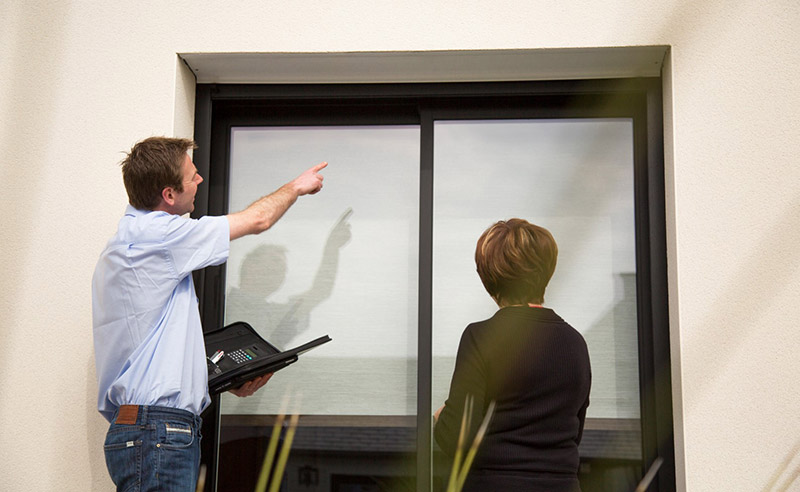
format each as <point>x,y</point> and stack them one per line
<point>82,81</point>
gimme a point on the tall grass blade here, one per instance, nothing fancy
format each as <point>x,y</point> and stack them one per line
<point>263,477</point>
<point>462,476</point>
<point>201,479</point>
<point>451,483</point>
<point>650,475</point>
<point>284,456</point>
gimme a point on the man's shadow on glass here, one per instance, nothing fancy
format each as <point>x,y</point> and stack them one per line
<point>262,273</point>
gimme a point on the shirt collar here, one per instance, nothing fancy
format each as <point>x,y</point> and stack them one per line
<point>539,313</point>
<point>132,211</point>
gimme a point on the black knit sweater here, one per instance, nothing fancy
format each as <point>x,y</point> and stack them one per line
<point>535,367</point>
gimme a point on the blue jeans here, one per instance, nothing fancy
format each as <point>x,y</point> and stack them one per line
<point>152,448</point>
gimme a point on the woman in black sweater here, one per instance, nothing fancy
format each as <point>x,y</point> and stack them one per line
<point>529,361</point>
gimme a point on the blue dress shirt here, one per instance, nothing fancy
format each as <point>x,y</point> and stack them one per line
<point>148,340</point>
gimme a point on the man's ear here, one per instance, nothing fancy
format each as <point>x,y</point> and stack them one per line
<point>168,196</point>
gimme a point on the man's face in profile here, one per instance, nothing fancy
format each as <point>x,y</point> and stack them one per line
<point>184,200</point>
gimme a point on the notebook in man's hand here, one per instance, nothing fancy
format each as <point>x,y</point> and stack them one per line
<point>236,354</point>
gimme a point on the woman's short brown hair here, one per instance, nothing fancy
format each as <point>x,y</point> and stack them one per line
<point>515,260</point>
<point>152,165</point>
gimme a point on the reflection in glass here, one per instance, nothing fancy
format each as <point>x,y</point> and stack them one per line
<point>343,263</point>
<point>261,274</point>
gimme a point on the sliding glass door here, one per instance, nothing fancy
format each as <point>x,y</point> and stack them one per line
<point>382,261</point>
<point>575,178</point>
<point>341,263</point>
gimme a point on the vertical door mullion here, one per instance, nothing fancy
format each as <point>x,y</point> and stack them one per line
<point>425,308</point>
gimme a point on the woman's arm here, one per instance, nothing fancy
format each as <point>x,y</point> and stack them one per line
<point>469,378</point>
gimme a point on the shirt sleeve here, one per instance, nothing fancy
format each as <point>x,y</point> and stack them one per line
<point>468,379</point>
<point>197,243</point>
<point>582,411</point>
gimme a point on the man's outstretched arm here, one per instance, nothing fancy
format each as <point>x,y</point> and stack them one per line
<point>264,212</point>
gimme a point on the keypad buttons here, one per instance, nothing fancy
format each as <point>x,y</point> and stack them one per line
<point>239,356</point>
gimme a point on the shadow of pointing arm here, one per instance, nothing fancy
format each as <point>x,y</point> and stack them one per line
<point>325,277</point>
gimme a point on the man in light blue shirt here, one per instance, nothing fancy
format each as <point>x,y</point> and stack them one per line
<point>149,350</point>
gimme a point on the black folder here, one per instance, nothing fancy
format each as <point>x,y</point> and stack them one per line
<point>242,355</point>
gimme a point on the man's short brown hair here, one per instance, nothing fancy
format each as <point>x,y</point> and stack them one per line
<point>515,260</point>
<point>152,165</point>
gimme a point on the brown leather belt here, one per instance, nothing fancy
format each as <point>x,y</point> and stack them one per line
<point>127,414</point>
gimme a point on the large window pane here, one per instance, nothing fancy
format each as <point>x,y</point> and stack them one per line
<point>342,263</point>
<point>574,177</point>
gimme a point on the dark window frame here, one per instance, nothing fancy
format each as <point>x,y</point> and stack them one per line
<point>219,107</point>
